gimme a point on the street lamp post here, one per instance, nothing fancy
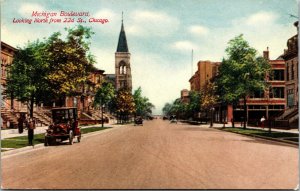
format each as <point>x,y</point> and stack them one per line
<point>268,116</point>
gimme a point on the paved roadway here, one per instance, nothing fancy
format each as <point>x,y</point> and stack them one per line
<point>156,155</point>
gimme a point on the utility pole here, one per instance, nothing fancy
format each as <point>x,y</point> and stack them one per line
<point>192,61</point>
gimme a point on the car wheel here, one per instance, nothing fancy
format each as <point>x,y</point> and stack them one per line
<point>71,137</point>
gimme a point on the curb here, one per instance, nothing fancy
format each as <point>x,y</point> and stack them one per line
<point>265,138</point>
<point>41,145</point>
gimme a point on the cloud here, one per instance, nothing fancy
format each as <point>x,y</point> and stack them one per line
<point>184,45</point>
<point>198,30</point>
<point>105,59</point>
<point>106,14</point>
<point>27,8</point>
<point>151,23</point>
<point>259,19</point>
<point>261,29</point>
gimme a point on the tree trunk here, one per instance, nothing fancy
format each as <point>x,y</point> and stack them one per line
<point>31,105</point>
<point>245,112</point>
<point>233,109</point>
<point>11,100</point>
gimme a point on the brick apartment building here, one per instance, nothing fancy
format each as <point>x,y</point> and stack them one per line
<point>205,72</point>
<point>267,103</point>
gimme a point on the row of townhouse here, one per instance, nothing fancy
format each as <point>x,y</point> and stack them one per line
<point>11,108</point>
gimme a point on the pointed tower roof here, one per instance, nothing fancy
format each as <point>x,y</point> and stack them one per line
<point>122,44</point>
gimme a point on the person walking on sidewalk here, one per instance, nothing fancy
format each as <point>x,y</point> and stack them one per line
<point>30,127</point>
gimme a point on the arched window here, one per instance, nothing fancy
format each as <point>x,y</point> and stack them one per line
<point>122,67</point>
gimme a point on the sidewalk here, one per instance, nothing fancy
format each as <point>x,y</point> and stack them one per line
<point>238,125</point>
<point>265,129</point>
<point>9,133</point>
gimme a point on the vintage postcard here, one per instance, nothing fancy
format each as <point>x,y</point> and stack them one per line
<point>149,94</point>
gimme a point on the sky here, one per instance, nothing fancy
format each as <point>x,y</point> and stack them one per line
<point>161,34</point>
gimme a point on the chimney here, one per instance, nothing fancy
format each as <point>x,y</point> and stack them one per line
<point>296,24</point>
<point>266,54</point>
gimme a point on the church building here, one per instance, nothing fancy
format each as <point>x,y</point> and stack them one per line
<point>122,78</point>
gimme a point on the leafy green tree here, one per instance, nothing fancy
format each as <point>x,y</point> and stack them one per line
<point>142,105</point>
<point>50,69</point>
<point>124,105</point>
<point>194,104</point>
<point>167,109</point>
<point>26,77</point>
<point>104,95</point>
<point>69,61</point>
<point>209,97</point>
<point>242,72</point>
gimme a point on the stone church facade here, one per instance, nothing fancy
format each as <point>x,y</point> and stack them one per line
<point>123,79</point>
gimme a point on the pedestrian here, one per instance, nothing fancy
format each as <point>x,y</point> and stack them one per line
<point>262,121</point>
<point>20,124</point>
<point>31,127</point>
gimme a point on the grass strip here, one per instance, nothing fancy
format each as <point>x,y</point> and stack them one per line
<point>273,134</point>
<point>22,141</point>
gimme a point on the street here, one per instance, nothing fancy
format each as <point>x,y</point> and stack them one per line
<point>155,156</point>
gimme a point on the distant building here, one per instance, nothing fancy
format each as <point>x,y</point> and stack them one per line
<point>7,54</point>
<point>184,96</point>
<point>291,74</point>
<point>10,107</point>
<point>206,71</point>
<point>269,103</point>
<point>291,63</point>
<point>123,77</point>
<point>111,78</point>
<point>86,92</point>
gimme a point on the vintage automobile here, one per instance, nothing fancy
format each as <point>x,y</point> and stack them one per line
<point>173,119</point>
<point>64,126</point>
<point>138,121</point>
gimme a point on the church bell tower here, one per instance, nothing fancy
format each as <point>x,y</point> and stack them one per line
<point>122,63</point>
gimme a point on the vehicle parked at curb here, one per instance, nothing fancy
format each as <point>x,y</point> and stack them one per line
<point>64,126</point>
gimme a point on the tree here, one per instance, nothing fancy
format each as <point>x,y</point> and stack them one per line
<point>209,99</point>
<point>142,105</point>
<point>69,61</point>
<point>50,69</point>
<point>167,109</point>
<point>194,104</point>
<point>241,73</point>
<point>124,105</point>
<point>104,95</point>
<point>27,75</point>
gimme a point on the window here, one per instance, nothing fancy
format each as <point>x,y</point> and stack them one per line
<point>292,72</point>
<point>290,98</point>
<point>258,94</point>
<point>287,73</point>
<point>277,75</point>
<point>122,67</point>
<point>277,92</point>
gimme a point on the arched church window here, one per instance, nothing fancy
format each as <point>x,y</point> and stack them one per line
<point>122,67</point>
<point>124,70</point>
